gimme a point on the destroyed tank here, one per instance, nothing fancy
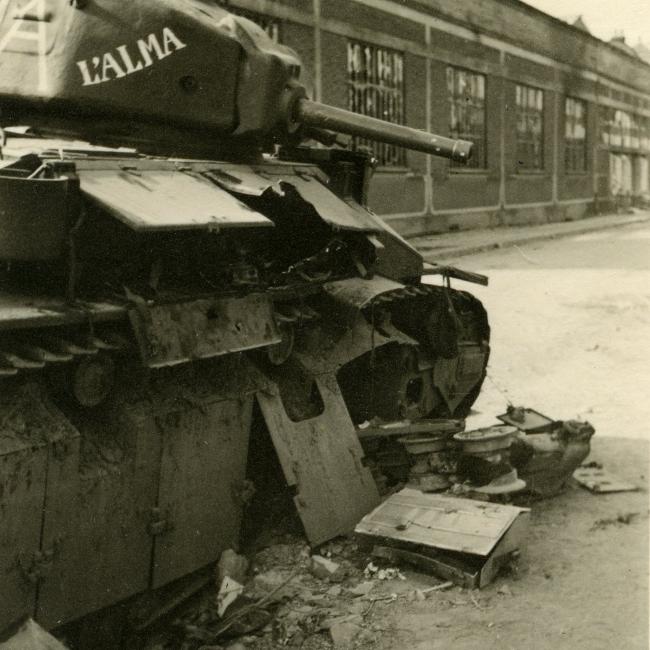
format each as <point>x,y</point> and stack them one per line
<point>192,288</point>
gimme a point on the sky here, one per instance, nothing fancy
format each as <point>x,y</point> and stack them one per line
<point>604,18</point>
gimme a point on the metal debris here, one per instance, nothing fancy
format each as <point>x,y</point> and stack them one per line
<point>527,420</point>
<point>485,460</point>
<point>600,481</point>
<point>545,452</point>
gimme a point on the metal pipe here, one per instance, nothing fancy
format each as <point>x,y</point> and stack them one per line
<point>337,119</point>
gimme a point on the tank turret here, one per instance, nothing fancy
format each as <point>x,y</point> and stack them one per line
<point>169,77</point>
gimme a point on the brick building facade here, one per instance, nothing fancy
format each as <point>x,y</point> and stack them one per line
<point>560,119</point>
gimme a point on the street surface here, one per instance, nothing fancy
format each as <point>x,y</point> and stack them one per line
<point>570,325</point>
<point>569,338</point>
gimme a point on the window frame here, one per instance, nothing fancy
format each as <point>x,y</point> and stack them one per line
<point>529,147</point>
<point>576,145</point>
<point>376,87</point>
<point>465,104</point>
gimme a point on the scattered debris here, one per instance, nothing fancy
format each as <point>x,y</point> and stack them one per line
<point>440,587</point>
<point>620,520</point>
<point>229,591</point>
<point>460,540</point>
<point>295,595</point>
<point>485,460</point>
<point>596,479</point>
<point>545,452</point>
<point>233,566</point>
<point>343,633</point>
<point>29,635</point>
<point>323,568</point>
<point>362,589</point>
<point>390,573</point>
<point>527,420</point>
<point>504,590</point>
<point>429,457</point>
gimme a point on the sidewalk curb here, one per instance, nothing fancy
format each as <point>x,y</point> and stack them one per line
<point>463,251</point>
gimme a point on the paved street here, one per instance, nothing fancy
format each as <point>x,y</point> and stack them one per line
<point>570,329</point>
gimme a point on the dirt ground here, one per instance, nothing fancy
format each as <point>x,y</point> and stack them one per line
<point>569,336</point>
<point>570,331</point>
<point>582,581</point>
<point>570,321</point>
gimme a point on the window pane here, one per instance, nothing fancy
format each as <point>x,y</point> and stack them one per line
<point>466,95</point>
<point>575,111</point>
<point>376,89</point>
<point>530,127</point>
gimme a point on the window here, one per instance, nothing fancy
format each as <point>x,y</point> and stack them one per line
<point>621,129</point>
<point>644,130</point>
<point>466,92</point>
<point>606,115</point>
<point>575,135</point>
<point>376,88</point>
<point>530,127</point>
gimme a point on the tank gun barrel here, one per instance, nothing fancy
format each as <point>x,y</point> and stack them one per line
<point>322,116</point>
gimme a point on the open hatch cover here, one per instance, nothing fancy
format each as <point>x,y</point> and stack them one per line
<point>157,200</point>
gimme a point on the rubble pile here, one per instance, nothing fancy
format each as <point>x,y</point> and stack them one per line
<point>294,597</point>
<point>291,594</point>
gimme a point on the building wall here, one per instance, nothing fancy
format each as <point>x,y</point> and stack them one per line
<point>510,43</point>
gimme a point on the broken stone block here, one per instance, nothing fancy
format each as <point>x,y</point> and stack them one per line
<point>504,590</point>
<point>357,607</point>
<point>323,568</point>
<point>233,565</point>
<point>31,636</point>
<point>362,589</point>
<point>274,581</point>
<point>343,634</point>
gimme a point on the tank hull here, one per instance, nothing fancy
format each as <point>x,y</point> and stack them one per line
<point>185,307</point>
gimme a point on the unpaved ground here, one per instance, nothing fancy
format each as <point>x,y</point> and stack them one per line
<point>570,322</point>
<point>570,338</point>
<point>582,584</point>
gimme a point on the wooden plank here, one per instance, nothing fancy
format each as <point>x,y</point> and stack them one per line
<point>440,566</point>
<point>440,521</point>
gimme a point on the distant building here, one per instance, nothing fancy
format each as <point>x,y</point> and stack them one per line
<point>577,21</point>
<point>560,119</point>
<point>643,51</point>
